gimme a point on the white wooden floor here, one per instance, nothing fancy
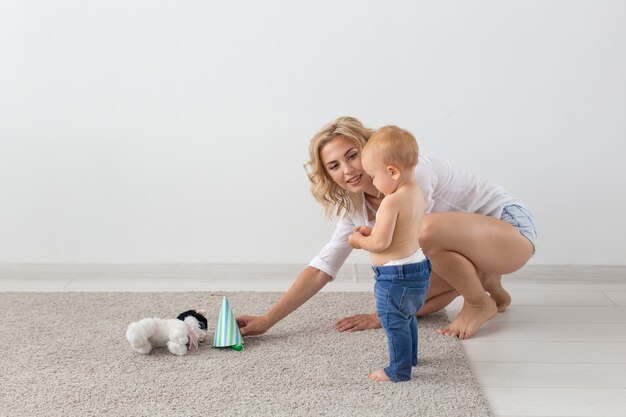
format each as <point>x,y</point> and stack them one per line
<point>560,349</point>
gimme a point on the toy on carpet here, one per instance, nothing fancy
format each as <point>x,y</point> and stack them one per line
<point>180,335</point>
<point>227,331</point>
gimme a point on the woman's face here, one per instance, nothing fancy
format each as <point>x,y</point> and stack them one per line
<point>342,161</point>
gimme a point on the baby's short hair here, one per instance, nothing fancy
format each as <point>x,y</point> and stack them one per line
<point>393,146</point>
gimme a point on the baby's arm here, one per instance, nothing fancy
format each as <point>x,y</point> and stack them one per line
<point>380,237</point>
<point>356,233</point>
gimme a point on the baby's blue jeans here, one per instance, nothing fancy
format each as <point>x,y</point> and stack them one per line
<point>400,292</point>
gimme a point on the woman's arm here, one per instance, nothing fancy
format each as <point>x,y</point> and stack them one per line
<point>321,270</point>
<point>308,283</point>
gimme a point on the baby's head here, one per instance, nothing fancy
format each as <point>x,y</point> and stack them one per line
<point>389,157</point>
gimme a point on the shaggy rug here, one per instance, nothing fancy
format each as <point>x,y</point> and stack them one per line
<point>65,354</point>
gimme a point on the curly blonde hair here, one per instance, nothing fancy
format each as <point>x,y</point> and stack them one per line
<point>334,199</point>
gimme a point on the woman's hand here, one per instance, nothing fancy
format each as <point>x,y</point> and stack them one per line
<point>252,325</point>
<point>358,322</point>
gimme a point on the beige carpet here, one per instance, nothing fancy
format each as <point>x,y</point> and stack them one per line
<point>65,354</point>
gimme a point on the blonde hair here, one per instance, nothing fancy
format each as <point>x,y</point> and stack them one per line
<point>326,191</point>
<point>393,146</point>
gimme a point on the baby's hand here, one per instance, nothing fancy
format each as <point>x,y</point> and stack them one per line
<point>353,240</point>
<point>364,230</point>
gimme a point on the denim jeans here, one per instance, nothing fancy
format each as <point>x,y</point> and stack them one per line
<point>400,292</point>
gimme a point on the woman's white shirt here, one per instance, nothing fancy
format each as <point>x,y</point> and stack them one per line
<point>445,188</point>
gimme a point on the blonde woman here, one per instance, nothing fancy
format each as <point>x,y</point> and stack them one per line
<point>473,233</point>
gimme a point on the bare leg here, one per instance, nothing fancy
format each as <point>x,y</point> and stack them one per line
<point>492,283</point>
<point>478,307</point>
<point>437,303</point>
<point>440,298</point>
<point>439,295</point>
<point>461,244</point>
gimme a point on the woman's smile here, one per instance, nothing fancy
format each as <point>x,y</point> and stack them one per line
<point>355,180</point>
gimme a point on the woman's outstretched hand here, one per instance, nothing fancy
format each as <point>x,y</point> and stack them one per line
<point>252,325</point>
<point>358,322</point>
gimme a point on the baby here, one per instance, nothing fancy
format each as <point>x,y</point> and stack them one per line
<point>402,271</point>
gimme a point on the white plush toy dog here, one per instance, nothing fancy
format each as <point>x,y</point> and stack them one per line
<point>180,335</point>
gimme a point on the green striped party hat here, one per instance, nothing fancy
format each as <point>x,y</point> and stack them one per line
<point>227,332</point>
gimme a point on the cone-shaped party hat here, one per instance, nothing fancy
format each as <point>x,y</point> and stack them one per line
<point>227,332</point>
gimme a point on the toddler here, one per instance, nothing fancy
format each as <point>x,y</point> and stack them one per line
<point>402,271</point>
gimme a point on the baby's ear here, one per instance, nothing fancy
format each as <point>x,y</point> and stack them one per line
<point>393,171</point>
<point>202,313</point>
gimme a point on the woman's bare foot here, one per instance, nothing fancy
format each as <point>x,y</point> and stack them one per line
<point>378,376</point>
<point>493,285</point>
<point>358,322</point>
<point>471,318</point>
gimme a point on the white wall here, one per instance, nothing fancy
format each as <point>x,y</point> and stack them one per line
<point>175,131</point>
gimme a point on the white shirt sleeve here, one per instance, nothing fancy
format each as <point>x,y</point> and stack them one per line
<point>334,254</point>
<point>427,180</point>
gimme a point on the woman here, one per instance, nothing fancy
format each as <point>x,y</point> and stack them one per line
<point>474,232</point>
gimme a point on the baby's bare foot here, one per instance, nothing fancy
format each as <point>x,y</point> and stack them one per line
<point>493,285</point>
<point>378,376</point>
<point>470,319</point>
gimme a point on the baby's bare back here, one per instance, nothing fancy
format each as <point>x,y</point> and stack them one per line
<point>409,203</point>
